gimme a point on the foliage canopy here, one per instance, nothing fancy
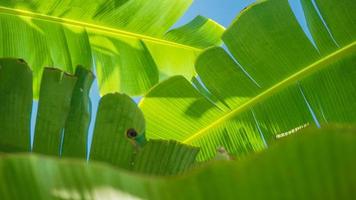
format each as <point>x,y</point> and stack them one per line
<point>237,104</point>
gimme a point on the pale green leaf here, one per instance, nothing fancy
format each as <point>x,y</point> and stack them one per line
<point>125,41</point>
<point>200,27</point>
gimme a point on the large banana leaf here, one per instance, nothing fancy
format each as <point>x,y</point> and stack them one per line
<point>126,41</point>
<point>63,119</point>
<point>316,164</point>
<point>275,83</point>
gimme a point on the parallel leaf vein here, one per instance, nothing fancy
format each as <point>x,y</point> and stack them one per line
<point>318,65</point>
<point>53,19</point>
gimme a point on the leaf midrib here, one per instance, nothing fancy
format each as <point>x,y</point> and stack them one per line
<point>97,28</point>
<point>318,65</point>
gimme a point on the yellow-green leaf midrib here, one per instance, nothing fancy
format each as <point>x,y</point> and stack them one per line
<point>96,28</point>
<point>318,65</point>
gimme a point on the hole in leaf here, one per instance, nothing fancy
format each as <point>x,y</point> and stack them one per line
<point>131,133</point>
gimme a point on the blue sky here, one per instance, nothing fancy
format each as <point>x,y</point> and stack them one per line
<point>222,11</point>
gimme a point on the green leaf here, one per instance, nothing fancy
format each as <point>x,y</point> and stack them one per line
<point>280,84</point>
<point>127,42</point>
<point>119,139</point>
<point>315,164</point>
<point>53,108</point>
<point>63,121</point>
<point>341,28</point>
<point>15,105</point>
<point>117,115</point>
<point>200,27</point>
<point>78,120</point>
<point>160,157</point>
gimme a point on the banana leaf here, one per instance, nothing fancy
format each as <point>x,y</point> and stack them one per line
<point>130,43</point>
<point>63,119</point>
<point>272,82</point>
<point>314,164</point>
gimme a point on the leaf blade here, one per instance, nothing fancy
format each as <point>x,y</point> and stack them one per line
<point>15,105</point>
<point>67,26</point>
<point>267,92</point>
<point>318,165</point>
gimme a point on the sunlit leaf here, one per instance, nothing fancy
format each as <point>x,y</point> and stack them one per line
<point>280,84</point>
<point>128,43</point>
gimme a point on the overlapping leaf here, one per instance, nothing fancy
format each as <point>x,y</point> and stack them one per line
<point>316,164</point>
<point>125,41</point>
<point>63,118</point>
<point>281,83</point>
